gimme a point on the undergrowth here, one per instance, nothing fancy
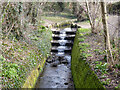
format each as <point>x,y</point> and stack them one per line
<point>83,76</point>
<point>19,57</point>
<point>97,59</point>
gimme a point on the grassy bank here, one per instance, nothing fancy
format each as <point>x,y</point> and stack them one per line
<point>83,75</point>
<point>52,18</point>
<point>21,57</point>
<point>89,62</point>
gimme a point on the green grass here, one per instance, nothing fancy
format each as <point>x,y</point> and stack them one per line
<point>84,45</point>
<point>81,40</point>
<point>82,30</point>
<point>60,17</point>
<point>107,82</point>
<point>98,51</point>
<point>86,34</point>
<point>55,19</point>
<point>117,87</point>
<point>102,67</point>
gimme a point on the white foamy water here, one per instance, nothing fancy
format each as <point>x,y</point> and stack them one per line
<point>62,38</point>
<point>60,53</point>
<point>61,47</point>
<point>63,32</point>
<point>62,35</point>
<point>68,57</point>
<point>67,29</point>
<point>62,42</point>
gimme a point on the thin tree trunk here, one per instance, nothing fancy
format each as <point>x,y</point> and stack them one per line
<point>106,36</point>
<point>74,11</point>
<point>119,38</point>
<point>89,16</point>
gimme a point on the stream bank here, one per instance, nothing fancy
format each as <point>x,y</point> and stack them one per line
<point>83,75</point>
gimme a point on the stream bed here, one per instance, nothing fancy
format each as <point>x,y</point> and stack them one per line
<point>57,71</point>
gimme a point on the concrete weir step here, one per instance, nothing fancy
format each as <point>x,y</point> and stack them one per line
<point>65,50</point>
<point>65,53</point>
<point>67,32</point>
<point>67,37</point>
<point>62,42</point>
<point>61,47</point>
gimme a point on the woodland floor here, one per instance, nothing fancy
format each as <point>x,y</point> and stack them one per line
<point>110,78</point>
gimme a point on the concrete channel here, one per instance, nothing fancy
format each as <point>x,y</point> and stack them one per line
<point>57,71</point>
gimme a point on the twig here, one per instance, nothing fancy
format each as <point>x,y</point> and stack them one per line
<point>11,29</point>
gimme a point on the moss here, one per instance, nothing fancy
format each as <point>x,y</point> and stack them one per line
<point>81,35</point>
<point>32,78</point>
<point>81,39</point>
<point>82,30</point>
<point>83,76</point>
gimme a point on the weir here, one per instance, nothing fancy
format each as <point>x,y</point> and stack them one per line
<point>57,71</point>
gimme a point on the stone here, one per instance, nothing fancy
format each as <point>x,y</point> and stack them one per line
<point>60,58</point>
<point>66,83</point>
<point>55,64</point>
<point>64,62</point>
<point>49,61</point>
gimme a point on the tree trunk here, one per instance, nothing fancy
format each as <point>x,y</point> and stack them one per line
<point>119,38</point>
<point>74,8</point>
<point>89,16</point>
<point>106,34</point>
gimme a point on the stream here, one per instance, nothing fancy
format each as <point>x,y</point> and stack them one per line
<point>57,71</point>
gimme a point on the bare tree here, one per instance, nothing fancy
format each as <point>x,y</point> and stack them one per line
<point>119,38</point>
<point>93,13</point>
<point>106,34</point>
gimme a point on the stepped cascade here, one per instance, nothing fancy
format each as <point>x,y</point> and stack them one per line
<point>62,41</point>
<point>57,71</point>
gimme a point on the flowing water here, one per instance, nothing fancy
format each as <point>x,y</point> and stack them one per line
<point>57,72</point>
